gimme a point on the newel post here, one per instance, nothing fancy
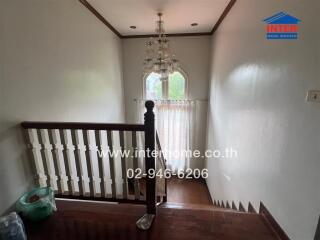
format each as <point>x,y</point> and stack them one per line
<point>150,157</point>
<point>146,220</point>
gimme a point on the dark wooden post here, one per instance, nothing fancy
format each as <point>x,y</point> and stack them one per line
<point>150,159</point>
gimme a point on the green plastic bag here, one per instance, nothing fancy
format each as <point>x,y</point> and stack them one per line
<point>37,204</point>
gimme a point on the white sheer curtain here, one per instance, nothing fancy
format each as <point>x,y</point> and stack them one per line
<point>174,120</point>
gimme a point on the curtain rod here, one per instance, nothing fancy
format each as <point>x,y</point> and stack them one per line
<point>200,100</point>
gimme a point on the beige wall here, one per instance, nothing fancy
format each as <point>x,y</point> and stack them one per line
<point>258,107</point>
<point>57,63</point>
<point>194,55</point>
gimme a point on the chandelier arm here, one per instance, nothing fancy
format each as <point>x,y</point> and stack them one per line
<point>162,61</point>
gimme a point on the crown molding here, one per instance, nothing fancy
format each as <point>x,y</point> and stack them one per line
<point>100,17</point>
<point>169,35</point>
<point>115,31</point>
<point>223,15</point>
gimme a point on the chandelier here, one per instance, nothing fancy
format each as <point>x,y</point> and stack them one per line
<point>159,58</point>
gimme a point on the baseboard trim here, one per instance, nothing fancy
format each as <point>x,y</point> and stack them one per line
<point>272,223</point>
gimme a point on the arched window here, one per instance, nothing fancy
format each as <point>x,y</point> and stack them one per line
<point>173,89</point>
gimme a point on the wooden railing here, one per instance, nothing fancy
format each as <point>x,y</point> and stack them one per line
<point>66,157</point>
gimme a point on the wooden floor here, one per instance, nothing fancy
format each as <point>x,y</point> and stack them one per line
<point>189,214</point>
<point>79,220</point>
<point>183,191</point>
<point>190,191</point>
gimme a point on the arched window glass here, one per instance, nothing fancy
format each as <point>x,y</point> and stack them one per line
<point>153,86</point>
<point>177,86</point>
<point>173,89</point>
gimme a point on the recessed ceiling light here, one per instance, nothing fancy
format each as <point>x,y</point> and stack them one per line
<point>194,24</point>
<point>133,27</point>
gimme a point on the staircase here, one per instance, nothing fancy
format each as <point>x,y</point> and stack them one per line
<point>97,200</point>
<point>91,220</point>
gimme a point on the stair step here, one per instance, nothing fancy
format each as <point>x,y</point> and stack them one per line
<point>206,207</point>
<point>88,220</point>
<point>187,206</point>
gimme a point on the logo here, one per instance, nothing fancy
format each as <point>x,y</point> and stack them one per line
<point>282,26</point>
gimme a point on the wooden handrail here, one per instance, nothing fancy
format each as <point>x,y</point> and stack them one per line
<point>83,126</point>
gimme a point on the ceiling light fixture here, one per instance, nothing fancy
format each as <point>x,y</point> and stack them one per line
<point>159,58</point>
<point>194,24</point>
<point>133,27</point>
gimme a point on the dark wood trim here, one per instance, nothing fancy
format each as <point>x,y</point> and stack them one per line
<point>223,15</point>
<point>272,223</point>
<point>241,208</point>
<point>168,35</point>
<point>100,199</point>
<point>251,208</point>
<point>100,17</point>
<point>83,126</point>
<point>150,163</point>
<point>317,235</point>
<point>115,31</point>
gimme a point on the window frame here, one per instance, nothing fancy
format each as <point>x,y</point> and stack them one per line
<point>165,85</point>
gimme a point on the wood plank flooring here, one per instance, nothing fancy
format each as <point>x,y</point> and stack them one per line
<point>189,191</point>
<point>79,220</point>
<point>188,215</point>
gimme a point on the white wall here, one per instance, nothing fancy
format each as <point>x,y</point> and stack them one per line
<point>58,62</point>
<point>193,54</point>
<point>257,106</point>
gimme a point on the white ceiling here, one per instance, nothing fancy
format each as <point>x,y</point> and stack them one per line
<point>178,14</point>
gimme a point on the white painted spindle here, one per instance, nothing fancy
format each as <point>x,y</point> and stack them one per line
<point>70,160</point>
<point>47,153</point>
<point>82,169</point>
<point>135,165</point>
<point>123,164</point>
<point>93,162</point>
<point>58,155</point>
<point>103,154</point>
<point>36,152</point>
<point>117,164</point>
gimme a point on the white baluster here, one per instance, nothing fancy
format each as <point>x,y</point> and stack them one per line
<point>47,150</point>
<point>36,152</point>
<point>117,164</point>
<point>105,174</point>
<point>58,153</point>
<point>94,170</point>
<point>135,165</point>
<point>72,169</point>
<point>81,155</point>
<point>123,164</point>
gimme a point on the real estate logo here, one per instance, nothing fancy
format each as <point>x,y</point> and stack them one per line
<point>281,26</point>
